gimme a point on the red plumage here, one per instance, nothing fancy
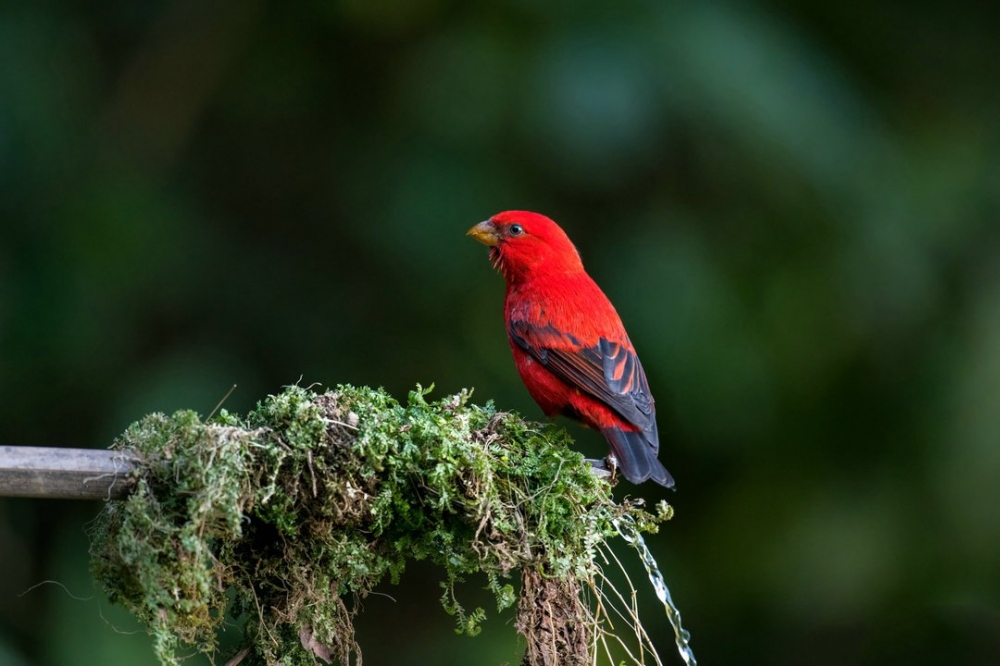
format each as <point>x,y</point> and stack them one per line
<point>569,345</point>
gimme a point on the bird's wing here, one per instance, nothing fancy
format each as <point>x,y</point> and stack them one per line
<point>607,371</point>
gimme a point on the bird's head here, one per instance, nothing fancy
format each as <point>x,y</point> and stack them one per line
<point>523,244</point>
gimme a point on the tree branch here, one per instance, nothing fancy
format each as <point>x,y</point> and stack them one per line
<point>94,474</point>
<point>312,498</point>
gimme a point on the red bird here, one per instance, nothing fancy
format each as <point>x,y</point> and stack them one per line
<point>569,344</point>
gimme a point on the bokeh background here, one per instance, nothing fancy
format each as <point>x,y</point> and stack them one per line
<point>794,206</point>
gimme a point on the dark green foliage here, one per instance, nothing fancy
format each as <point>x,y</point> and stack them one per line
<point>795,207</point>
<point>288,515</point>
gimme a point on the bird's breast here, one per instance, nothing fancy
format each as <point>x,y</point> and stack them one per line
<point>573,305</point>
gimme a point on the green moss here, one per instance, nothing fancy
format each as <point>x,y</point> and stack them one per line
<point>314,498</point>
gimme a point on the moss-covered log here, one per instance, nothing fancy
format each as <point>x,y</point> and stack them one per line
<point>283,516</point>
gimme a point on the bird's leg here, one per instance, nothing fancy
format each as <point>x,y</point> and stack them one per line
<point>613,465</point>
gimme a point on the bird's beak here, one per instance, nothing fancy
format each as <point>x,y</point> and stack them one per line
<point>485,233</point>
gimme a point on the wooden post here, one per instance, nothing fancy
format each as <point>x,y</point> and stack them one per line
<point>96,474</point>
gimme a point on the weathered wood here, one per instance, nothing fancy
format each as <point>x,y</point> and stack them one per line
<point>31,471</point>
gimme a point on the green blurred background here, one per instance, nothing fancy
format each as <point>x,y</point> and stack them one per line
<point>794,206</point>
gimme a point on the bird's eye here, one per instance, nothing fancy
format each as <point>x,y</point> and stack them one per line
<point>515,230</point>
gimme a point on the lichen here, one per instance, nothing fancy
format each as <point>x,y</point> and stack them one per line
<point>288,515</point>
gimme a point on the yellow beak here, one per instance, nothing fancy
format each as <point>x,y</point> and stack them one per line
<point>485,233</point>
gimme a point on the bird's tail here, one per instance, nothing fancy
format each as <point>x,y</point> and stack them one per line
<point>636,457</point>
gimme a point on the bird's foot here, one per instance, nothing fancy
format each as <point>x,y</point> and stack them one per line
<point>604,468</point>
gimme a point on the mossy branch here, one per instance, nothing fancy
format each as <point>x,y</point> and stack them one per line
<point>315,498</point>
